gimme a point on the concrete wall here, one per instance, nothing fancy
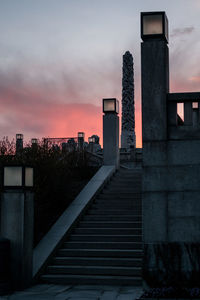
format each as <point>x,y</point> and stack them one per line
<point>171,177</point>
<point>171,211</point>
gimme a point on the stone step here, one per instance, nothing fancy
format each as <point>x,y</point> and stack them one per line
<point>98,261</point>
<point>124,194</point>
<point>109,253</point>
<point>114,212</point>
<point>121,192</point>
<point>120,196</point>
<point>108,231</point>
<point>101,245</point>
<point>124,185</point>
<point>105,238</point>
<point>127,173</point>
<point>103,224</point>
<point>128,180</point>
<point>106,246</point>
<point>116,218</point>
<point>116,191</point>
<point>94,270</point>
<point>92,279</point>
<point>120,206</point>
<point>117,201</point>
<point>125,181</point>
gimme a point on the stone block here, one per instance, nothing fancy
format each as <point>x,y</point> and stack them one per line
<point>184,204</point>
<point>184,152</point>
<point>155,153</point>
<point>183,133</point>
<point>154,179</point>
<point>109,295</point>
<point>183,178</point>
<point>155,86</point>
<point>184,229</point>
<point>17,226</point>
<point>154,210</point>
<point>111,139</point>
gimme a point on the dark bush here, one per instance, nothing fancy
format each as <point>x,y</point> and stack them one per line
<point>58,178</point>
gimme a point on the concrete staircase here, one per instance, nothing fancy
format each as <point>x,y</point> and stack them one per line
<point>106,245</point>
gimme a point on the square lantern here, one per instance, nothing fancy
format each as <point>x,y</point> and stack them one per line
<point>34,141</point>
<point>19,136</point>
<point>111,105</point>
<point>91,139</point>
<point>154,25</point>
<point>81,134</point>
<point>17,177</point>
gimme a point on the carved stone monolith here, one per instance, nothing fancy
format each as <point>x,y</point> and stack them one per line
<point>128,106</point>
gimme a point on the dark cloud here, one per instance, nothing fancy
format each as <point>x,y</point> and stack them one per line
<point>182,31</point>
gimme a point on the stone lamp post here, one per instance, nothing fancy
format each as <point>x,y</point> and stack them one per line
<point>17,221</point>
<point>111,132</point>
<point>81,136</point>
<point>34,143</point>
<point>91,141</point>
<point>19,142</point>
<point>155,88</point>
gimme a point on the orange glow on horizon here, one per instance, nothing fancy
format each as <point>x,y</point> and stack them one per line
<point>195,78</point>
<point>41,117</point>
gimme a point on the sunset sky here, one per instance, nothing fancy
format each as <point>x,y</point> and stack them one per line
<point>59,58</point>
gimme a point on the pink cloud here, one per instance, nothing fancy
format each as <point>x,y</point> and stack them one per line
<point>41,108</point>
<point>195,78</point>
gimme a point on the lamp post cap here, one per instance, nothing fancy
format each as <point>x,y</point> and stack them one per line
<point>110,105</point>
<point>154,25</point>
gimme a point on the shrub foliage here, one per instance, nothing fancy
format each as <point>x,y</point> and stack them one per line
<point>58,178</point>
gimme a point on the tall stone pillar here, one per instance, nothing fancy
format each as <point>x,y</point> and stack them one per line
<point>155,87</point>
<point>128,107</point>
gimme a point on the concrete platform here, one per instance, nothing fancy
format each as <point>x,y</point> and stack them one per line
<point>78,292</point>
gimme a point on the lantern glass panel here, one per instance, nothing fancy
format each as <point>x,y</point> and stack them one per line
<point>81,134</point>
<point>12,176</point>
<point>34,141</point>
<point>109,105</point>
<point>19,136</point>
<point>29,177</point>
<point>117,106</point>
<point>166,28</point>
<point>152,24</point>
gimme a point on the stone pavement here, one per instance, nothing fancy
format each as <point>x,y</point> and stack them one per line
<point>78,292</point>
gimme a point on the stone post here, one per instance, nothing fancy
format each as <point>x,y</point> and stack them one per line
<point>81,136</point>
<point>19,143</point>
<point>111,138</point>
<point>17,221</point>
<point>17,226</point>
<point>34,144</point>
<point>155,87</point>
